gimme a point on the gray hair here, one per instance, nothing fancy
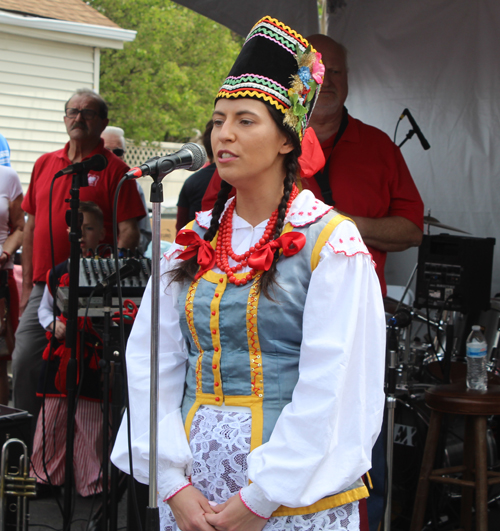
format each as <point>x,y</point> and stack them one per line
<point>103,106</point>
<point>118,131</point>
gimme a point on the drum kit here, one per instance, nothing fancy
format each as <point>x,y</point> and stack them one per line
<point>424,353</point>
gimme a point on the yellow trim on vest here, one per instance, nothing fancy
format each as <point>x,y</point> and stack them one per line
<point>213,243</point>
<point>190,225</point>
<point>215,333</point>
<point>369,480</point>
<point>256,369</point>
<point>189,313</point>
<point>212,276</point>
<point>323,238</point>
<point>288,228</point>
<point>190,322</point>
<point>326,503</point>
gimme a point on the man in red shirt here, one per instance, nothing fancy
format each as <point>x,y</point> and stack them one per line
<point>367,175</point>
<point>85,119</point>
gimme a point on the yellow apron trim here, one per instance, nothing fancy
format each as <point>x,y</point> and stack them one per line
<point>215,333</point>
<point>256,369</point>
<point>252,402</point>
<point>190,417</point>
<point>326,503</point>
<point>190,225</point>
<point>323,238</point>
<point>230,400</point>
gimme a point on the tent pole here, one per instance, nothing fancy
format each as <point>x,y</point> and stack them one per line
<point>323,23</point>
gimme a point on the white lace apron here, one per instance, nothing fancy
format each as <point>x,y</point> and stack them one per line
<point>220,443</point>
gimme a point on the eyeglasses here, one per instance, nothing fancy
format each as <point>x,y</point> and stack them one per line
<point>87,114</point>
<point>118,151</point>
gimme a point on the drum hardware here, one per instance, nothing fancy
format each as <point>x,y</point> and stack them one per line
<point>392,306</point>
<point>410,430</point>
<point>15,482</point>
<point>430,221</point>
<point>390,401</point>
<point>411,354</point>
<point>453,280</point>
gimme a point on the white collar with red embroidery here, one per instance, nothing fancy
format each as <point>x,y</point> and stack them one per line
<point>305,209</point>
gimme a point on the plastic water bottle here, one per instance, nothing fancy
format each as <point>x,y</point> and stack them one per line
<point>477,348</point>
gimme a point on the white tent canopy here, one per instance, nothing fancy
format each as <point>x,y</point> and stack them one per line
<point>439,59</point>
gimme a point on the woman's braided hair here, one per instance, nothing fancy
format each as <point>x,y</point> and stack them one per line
<point>188,268</point>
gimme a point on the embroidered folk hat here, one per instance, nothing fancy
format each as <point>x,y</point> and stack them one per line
<point>277,65</point>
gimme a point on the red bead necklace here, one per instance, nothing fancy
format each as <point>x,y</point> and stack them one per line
<point>224,250</point>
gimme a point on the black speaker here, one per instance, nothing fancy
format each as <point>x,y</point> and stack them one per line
<point>454,272</point>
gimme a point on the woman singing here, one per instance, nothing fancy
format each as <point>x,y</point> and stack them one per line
<point>272,328</point>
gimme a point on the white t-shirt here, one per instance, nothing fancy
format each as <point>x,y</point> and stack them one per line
<point>10,188</point>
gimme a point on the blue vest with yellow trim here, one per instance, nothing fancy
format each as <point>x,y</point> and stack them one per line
<point>244,349</point>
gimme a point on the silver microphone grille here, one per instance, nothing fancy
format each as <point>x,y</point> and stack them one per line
<point>199,155</point>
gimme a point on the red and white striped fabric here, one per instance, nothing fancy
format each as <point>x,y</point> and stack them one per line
<point>87,459</point>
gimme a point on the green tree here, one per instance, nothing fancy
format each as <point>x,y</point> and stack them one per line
<point>162,85</point>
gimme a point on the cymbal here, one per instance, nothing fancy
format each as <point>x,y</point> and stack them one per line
<point>429,220</point>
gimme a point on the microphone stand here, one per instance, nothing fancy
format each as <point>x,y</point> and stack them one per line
<point>79,180</point>
<point>152,511</point>
<point>410,133</point>
<point>105,366</point>
<point>392,350</point>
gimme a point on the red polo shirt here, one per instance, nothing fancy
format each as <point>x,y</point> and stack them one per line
<point>101,190</point>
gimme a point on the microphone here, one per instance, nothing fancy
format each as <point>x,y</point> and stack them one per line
<point>97,163</point>
<point>416,128</point>
<point>401,319</point>
<point>190,157</point>
<point>130,268</point>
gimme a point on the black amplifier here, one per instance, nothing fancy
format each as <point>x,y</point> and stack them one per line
<point>454,272</point>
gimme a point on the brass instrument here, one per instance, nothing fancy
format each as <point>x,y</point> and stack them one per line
<point>15,482</point>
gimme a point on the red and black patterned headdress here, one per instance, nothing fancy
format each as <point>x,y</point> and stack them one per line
<point>278,66</point>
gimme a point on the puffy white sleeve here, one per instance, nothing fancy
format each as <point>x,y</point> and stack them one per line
<point>174,454</point>
<point>323,439</point>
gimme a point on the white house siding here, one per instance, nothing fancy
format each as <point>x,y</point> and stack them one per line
<point>37,77</point>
